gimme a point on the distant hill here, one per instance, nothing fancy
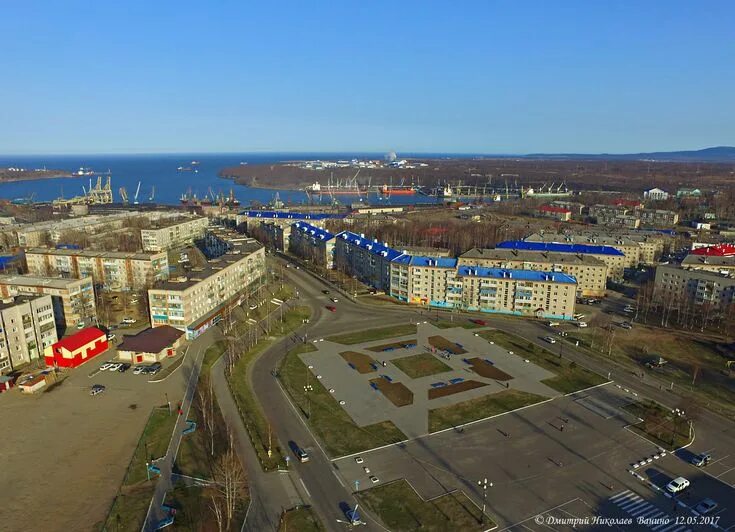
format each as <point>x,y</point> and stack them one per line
<point>719,154</point>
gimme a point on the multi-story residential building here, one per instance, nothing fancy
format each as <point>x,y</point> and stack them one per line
<point>615,216</point>
<point>73,299</point>
<point>710,259</point>
<point>276,225</point>
<point>574,207</point>
<point>275,234</point>
<point>656,194</point>
<point>658,218</point>
<point>675,286</point>
<point>590,273</point>
<point>113,270</point>
<point>28,327</point>
<point>365,258</point>
<point>168,234</point>
<point>615,259</point>
<point>557,213</point>
<point>423,280</point>
<point>520,292</point>
<point>312,243</point>
<point>194,302</point>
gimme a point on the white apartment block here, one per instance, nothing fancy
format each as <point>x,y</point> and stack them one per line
<point>173,233</point>
<point>28,327</point>
<point>114,270</point>
<point>200,299</point>
<point>73,299</point>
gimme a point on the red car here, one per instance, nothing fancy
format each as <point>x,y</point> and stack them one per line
<point>478,322</point>
<point>331,308</point>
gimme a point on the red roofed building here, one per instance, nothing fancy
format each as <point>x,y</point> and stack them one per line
<point>559,213</point>
<point>76,349</point>
<point>630,203</point>
<point>718,250</point>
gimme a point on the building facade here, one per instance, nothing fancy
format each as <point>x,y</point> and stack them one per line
<point>365,258</point>
<point>174,233</point>
<point>589,272</point>
<point>556,212</point>
<point>73,299</point>
<point>658,218</point>
<point>312,243</point>
<point>675,286</point>
<point>656,194</point>
<point>28,327</point>
<point>195,302</point>
<point>74,350</point>
<point>424,280</point>
<point>113,270</point>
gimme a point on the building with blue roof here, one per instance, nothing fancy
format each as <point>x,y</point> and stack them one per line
<point>313,244</point>
<point>273,228</point>
<point>367,259</point>
<point>614,258</point>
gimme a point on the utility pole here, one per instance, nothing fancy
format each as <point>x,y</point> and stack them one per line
<point>484,485</point>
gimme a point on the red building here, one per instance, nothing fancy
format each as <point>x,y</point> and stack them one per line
<point>559,213</point>
<point>718,250</point>
<point>76,349</point>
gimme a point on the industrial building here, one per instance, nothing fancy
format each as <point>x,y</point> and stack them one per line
<point>194,302</point>
<point>168,234</point>
<point>615,259</point>
<point>312,243</point>
<point>589,272</point>
<point>73,299</point>
<point>27,328</point>
<point>114,270</point>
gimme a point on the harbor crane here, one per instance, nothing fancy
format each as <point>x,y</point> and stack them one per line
<point>153,193</point>
<point>137,191</point>
<point>124,195</point>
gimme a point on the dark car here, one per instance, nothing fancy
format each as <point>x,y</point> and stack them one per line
<point>123,367</point>
<point>302,455</point>
<point>325,292</point>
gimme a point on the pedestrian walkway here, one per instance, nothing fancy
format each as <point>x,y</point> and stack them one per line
<point>642,510</point>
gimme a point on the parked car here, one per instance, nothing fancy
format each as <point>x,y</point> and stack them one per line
<point>581,324</point>
<point>106,366</point>
<point>114,366</point>
<point>702,459</point>
<point>110,337</point>
<point>334,299</point>
<point>139,369</point>
<point>96,389</point>
<point>550,339</point>
<point>331,308</point>
<point>677,485</point>
<point>123,367</point>
<point>80,325</point>
<point>128,321</point>
<point>553,324</point>
<point>367,470</point>
<point>705,507</point>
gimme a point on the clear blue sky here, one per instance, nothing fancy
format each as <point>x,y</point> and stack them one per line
<point>486,76</point>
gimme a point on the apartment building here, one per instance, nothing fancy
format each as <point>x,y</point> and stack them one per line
<point>312,243</point>
<point>367,259</point>
<point>658,218</point>
<point>589,272</point>
<point>615,259</point>
<point>423,280</point>
<point>561,214</point>
<point>637,249</point>
<point>675,285</point>
<point>114,270</point>
<point>519,292</point>
<point>168,234</point>
<point>711,263</point>
<point>28,327</point>
<point>194,302</point>
<point>615,216</point>
<point>73,299</point>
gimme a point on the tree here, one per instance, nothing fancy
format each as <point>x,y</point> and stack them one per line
<point>229,486</point>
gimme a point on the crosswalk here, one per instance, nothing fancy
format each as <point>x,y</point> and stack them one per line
<point>639,508</point>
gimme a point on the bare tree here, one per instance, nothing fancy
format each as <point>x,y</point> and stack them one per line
<point>229,483</point>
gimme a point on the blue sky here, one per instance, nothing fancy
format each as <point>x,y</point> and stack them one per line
<point>483,77</point>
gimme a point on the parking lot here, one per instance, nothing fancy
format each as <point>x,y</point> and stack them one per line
<point>580,471</point>
<point>75,447</point>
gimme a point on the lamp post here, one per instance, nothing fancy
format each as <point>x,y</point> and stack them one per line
<point>484,485</point>
<point>308,388</point>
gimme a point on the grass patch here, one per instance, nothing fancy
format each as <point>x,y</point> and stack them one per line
<point>421,365</point>
<point>570,377</point>
<point>212,355</point>
<point>155,439</point>
<point>250,410</point>
<point>328,420</point>
<point>659,424</point>
<point>465,324</point>
<point>480,408</point>
<point>301,519</point>
<point>129,509</point>
<point>401,509</point>
<point>374,334</point>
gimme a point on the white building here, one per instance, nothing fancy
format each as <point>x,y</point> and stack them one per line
<point>656,194</point>
<point>27,327</point>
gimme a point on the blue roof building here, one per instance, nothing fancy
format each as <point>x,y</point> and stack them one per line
<point>316,232</point>
<point>433,262</point>
<point>282,215</point>
<point>519,275</point>
<point>560,248</point>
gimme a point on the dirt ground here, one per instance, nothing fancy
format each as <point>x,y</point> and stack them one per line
<point>443,344</point>
<point>392,345</point>
<point>359,360</point>
<point>74,446</point>
<point>485,369</point>
<point>395,392</point>
<point>451,389</point>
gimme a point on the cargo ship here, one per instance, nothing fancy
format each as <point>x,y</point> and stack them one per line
<point>330,189</point>
<point>400,190</point>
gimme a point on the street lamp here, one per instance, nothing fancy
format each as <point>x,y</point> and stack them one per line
<point>484,485</point>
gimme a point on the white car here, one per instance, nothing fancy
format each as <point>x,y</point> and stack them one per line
<point>114,367</point>
<point>358,460</point>
<point>334,299</point>
<point>110,337</point>
<point>677,485</point>
<point>550,339</point>
<point>128,321</point>
<point>106,366</point>
<point>138,370</point>
<point>367,470</point>
<point>581,324</point>
<point>553,324</point>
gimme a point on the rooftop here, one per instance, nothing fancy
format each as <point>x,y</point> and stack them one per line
<point>82,338</point>
<point>151,340</point>
<point>531,256</point>
<point>561,248</point>
<point>18,300</point>
<point>436,262</point>
<point>93,253</point>
<point>50,282</point>
<point>372,246</point>
<point>711,260</point>
<point>553,208</point>
<point>292,215</point>
<point>577,238</point>
<point>718,250</point>
<point>519,275</point>
<point>316,232</point>
<point>170,222</point>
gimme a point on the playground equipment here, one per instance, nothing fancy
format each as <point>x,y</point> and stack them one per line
<point>191,426</point>
<point>169,519</point>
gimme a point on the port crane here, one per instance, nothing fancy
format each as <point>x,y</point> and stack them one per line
<point>137,191</point>
<point>153,193</point>
<point>124,195</point>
